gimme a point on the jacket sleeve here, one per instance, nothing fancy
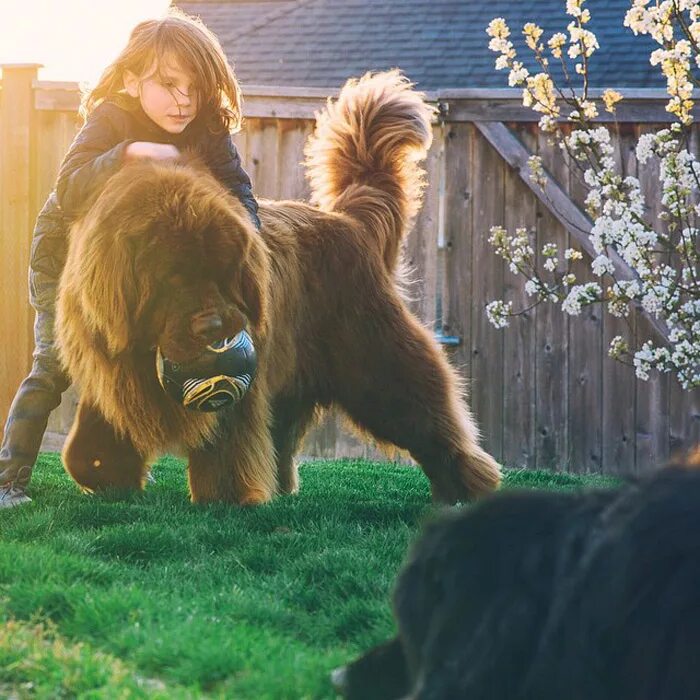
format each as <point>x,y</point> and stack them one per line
<point>225,164</point>
<point>95,155</point>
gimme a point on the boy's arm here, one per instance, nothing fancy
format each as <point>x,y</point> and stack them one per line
<point>225,164</point>
<point>95,155</point>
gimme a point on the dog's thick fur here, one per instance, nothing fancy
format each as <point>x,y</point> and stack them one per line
<point>165,257</point>
<point>544,596</point>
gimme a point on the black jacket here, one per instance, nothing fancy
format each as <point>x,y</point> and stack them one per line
<point>95,155</point>
<point>98,151</point>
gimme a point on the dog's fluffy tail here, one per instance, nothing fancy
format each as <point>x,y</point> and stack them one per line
<point>363,157</point>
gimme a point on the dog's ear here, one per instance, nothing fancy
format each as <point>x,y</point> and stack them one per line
<point>103,269</point>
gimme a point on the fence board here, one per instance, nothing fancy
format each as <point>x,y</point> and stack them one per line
<point>551,333</point>
<point>585,367</point>
<point>684,418</point>
<point>321,441</point>
<point>420,247</point>
<point>652,400</point>
<point>519,338</point>
<point>262,148</point>
<point>253,129</point>
<point>17,148</point>
<point>684,406</point>
<point>291,182</point>
<point>457,301</point>
<point>619,383</point>
<point>487,284</point>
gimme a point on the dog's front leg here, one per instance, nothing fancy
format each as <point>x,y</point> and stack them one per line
<point>239,465</point>
<point>98,457</point>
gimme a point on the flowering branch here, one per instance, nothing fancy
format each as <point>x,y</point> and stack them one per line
<point>664,259</point>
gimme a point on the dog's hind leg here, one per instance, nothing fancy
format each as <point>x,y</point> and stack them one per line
<point>394,381</point>
<point>98,458</point>
<point>239,467</point>
<point>291,418</point>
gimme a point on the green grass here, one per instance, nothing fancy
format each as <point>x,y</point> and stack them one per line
<point>151,596</point>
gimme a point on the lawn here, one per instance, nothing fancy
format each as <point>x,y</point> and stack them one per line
<point>154,597</point>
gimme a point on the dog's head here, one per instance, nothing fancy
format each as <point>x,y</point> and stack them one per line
<point>166,257</point>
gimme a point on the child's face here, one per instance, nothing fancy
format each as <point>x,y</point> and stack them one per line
<point>167,95</point>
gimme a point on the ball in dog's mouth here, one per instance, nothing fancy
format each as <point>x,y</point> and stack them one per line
<point>219,377</point>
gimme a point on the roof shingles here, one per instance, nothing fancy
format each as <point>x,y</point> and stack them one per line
<point>439,44</point>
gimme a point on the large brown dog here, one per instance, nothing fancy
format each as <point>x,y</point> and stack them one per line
<point>165,257</point>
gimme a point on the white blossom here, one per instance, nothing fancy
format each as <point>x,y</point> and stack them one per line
<point>497,312</point>
<point>645,147</point>
<point>663,255</point>
<point>602,265</point>
<point>581,295</point>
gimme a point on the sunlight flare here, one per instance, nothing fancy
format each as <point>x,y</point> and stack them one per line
<point>74,39</point>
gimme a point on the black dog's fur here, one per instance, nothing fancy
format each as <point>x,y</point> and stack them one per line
<point>549,596</point>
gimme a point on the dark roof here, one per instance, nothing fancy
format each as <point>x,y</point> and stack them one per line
<point>439,44</point>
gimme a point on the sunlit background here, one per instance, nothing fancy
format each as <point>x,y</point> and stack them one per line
<point>74,39</point>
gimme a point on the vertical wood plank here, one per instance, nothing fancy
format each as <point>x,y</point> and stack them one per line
<point>16,219</point>
<point>291,181</point>
<point>321,440</point>
<point>551,334</point>
<point>684,418</point>
<point>349,443</point>
<point>684,405</point>
<point>487,284</point>
<point>519,340</point>
<point>253,152</point>
<point>457,284</point>
<point>619,381</point>
<point>420,246</point>
<point>585,366</point>
<point>264,155</point>
<point>307,128</point>
<point>652,397</point>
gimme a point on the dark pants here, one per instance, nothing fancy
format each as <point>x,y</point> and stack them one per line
<point>41,391</point>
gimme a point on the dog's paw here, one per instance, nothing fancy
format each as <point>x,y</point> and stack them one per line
<point>467,477</point>
<point>254,497</point>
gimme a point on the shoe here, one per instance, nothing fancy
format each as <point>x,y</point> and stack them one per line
<point>11,495</point>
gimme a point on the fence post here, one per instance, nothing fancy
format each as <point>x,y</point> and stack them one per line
<point>17,143</point>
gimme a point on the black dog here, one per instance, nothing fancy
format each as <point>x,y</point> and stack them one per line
<point>549,596</point>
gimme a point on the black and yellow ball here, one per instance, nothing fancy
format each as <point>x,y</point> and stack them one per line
<point>219,377</point>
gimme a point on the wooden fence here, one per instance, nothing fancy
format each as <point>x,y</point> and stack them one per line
<point>544,392</point>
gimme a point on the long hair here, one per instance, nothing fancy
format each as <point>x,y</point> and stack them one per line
<point>197,49</point>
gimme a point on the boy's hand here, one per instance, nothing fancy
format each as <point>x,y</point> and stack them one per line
<point>148,149</point>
